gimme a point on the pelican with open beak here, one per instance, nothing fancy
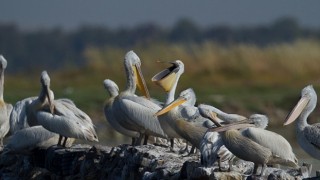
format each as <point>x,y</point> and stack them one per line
<point>308,134</point>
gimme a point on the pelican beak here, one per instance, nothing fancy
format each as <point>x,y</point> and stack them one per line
<point>141,82</point>
<point>297,110</point>
<point>50,99</point>
<point>166,78</point>
<point>172,105</point>
<point>214,118</point>
<point>230,127</point>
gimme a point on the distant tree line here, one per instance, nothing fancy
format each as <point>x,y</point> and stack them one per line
<point>58,48</point>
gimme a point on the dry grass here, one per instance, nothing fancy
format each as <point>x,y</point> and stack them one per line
<point>242,78</point>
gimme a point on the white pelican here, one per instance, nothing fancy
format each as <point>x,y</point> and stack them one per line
<point>61,117</point>
<point>308,135</point>
<point>168,80</point>
<point>30,138</point>
<point>5,108</point>
<point>256,145</point>
<point>18,116</point>
<point>133,112</point>
<point>113,91</point>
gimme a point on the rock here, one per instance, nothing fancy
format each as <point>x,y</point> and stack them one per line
<point>146,162</point>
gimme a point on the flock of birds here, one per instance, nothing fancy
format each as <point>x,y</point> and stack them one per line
<point>43,121</point>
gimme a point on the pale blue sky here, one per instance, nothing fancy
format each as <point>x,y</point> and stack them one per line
<point>30,14</point>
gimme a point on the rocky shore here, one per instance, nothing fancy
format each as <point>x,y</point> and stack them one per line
<point>127,162</point>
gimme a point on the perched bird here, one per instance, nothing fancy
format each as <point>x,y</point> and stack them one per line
<point>5,108</point>
<point>251,145</point>
<point>168,80</point>
<point>30,138</point>
<point>113,91</point>
<point>308,134</point>
<point>61,117</point>
<point>134,112</point>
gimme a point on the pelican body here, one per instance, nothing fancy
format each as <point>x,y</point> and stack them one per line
<point>255,148</point>
<point>308,135</point>
<point>133,112</point>
<point>30,138</point>
<point>61,117</point>
<point>5,108</point>
<point>113,91</point>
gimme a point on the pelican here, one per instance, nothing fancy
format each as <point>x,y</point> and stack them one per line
<point>5,108</point>
<point>256,145</point>
<point>18,116</point>
<point>133,112</point>
<point>30,138</point>
<point>191,128</point>
<point>168,80</point>
<point>308,135</point>
<point>113,91</point>
<point>61,117</point>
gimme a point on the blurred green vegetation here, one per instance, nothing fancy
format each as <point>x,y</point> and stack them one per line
<point>240,78</point>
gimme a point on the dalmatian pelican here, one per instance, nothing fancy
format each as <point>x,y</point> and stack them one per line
<point>308,134</point>
<point>61,117</point>
<point>168,80</point>
<point>133,112</point>
<point>113,91</point>
<point>5,108</point>
<point>257,145</point>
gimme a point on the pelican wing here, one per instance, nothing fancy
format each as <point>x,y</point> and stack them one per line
<point>18,116</point>
<point>278,145</point>
<point>312,134</point>
<point>142,112</point>
<point>66,107</point>
<point>108,112</point>
<point>65,125</point>
<point>30,138</point>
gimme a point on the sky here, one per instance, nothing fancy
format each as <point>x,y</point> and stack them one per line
<point>70,14</point>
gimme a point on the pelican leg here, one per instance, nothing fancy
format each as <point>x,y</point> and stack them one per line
<point>65,142</point>
<point>138,141</point>
<point>133,141</point>
<point>185,149</point>
<point>145,142</point>
<point>263,169</point>
<point>255,168</point>
<point>192,150</point>
<point>59,141</point>
<point>1,141</point>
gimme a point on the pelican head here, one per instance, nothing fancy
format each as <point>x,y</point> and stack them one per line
<point>3,62</point>
<point>111,87</point>
<point>204,110</point>
<point>45,82</point>
<point>167,78</point>
<point>133,62</point>
<point>259,120</point>
<point>185,96</point>
<point>190,94</point>
<point>307,101</point>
